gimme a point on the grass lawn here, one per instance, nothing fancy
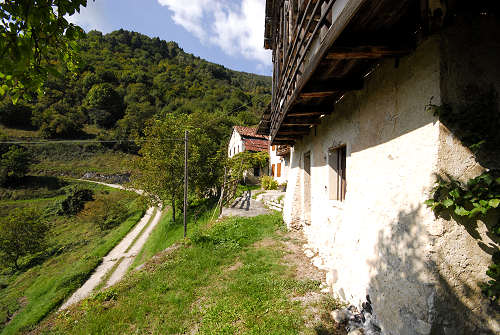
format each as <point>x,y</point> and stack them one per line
<point>230,277</point>
<point>76,246</point>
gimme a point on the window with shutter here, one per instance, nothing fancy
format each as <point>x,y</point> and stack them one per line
<point>337,173</point>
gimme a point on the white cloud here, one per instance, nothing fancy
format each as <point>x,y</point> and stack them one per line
<point>91,17</point>
<point>236,26</point>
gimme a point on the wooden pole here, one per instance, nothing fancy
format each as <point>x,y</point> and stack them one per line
<point>185,180</point>
<point>222,191</point>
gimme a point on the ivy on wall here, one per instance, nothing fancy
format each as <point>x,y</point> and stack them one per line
<point>471,201</point>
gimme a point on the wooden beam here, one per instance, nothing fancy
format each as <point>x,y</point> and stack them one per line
<point>292,132</point>
<point>334,84</point>
<point>312,95</point>
<point>279,138</point>
<point>366,52</point>
<point>301,122</point>
<point>289,142</point>
<point>305,113</point>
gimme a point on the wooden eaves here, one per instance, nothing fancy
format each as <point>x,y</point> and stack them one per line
<point>354,35</point>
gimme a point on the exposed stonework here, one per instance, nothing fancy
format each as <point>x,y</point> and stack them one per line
<point>420,272</point>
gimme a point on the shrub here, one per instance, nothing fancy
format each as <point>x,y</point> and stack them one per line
<point>55,125</point>
<point>15,116</point>
<point>14,164</point>
<point>106,212</point>
<point>75,201</point>
<point>22,233</point>
<point>268,183</point>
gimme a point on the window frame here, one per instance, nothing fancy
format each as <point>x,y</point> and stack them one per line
<point>337,176</point>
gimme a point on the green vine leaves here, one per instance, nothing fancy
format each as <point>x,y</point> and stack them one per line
<point>476,199</point>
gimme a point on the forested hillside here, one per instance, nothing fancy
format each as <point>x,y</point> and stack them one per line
<point>125,79</point>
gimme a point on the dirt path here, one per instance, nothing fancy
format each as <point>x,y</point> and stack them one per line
<point>124,252</point>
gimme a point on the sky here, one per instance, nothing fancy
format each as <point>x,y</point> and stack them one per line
<point>227,32</point>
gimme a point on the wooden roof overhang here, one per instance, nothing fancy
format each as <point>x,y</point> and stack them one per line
<point>309,76</point>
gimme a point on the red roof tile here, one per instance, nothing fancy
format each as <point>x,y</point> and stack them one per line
<point>249,132</point>
<point>256,144</point>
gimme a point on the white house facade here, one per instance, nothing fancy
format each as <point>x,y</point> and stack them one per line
<point>360,92</point>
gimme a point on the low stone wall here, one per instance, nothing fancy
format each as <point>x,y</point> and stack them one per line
<point>118,178</point>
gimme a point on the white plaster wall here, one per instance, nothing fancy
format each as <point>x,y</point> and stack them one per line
<point>375,242</point>
<point>275,159</point>
<point>235,142</point>
<point>421,272</point>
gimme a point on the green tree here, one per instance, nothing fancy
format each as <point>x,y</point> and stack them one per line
<point>32,32</point>
<point>14,164</point>
<point>15,116</point>
<point>22,232</point>
<point>246,160</point>
<point>104,105</point>
<point>162,161</point>
<point>55,125</point>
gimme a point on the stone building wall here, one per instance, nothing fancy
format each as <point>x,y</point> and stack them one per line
<point>420,272</point>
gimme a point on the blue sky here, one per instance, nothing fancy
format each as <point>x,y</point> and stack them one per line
<point>227,32</point>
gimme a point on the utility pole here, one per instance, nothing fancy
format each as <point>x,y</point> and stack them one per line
<point>185,180</point>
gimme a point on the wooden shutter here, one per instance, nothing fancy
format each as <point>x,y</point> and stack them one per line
<point>337,173</point>
<point>278,170</point>
<point>272,170</point>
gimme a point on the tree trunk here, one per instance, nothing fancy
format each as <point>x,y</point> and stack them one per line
<point>173,209</point>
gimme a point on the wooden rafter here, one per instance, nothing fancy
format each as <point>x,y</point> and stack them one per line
<point>301,122</point>
<point>367,52</point>
<point>305,113</point>
<point>293,132</point>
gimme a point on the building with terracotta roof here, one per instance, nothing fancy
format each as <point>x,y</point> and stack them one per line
<point>246,139</point>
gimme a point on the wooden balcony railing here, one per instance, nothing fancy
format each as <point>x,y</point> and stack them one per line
<point>300,41</point>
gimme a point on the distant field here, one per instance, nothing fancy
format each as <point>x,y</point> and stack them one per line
<point>76,245</point>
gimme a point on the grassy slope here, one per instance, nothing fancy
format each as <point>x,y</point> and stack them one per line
<point>229,279</point>
<point>166,233</point>
<point>72,160</point>
<point>76,246</point>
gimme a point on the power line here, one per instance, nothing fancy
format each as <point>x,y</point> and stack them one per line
<point>91,141</point>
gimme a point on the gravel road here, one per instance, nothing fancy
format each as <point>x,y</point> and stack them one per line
<point>135,238</point>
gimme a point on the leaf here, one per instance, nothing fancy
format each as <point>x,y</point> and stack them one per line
<point>474,212</point>
<point>447,202</point>
<point>459,210</point>
<point>494,203</point>
<point>429,202</point>
<point>454,193</point>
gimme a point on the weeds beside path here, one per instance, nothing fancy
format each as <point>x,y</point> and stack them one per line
<point>116,263</point>
<point>237,276</point>
<point>75,247</point>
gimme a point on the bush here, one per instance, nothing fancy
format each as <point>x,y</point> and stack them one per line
<point>15,116</point>
<point>55,125</point>
<point>75,201</point>
<point>14,164</point>
<point>268,183</point>
<point>22,233</point>
<point>106,212</point>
